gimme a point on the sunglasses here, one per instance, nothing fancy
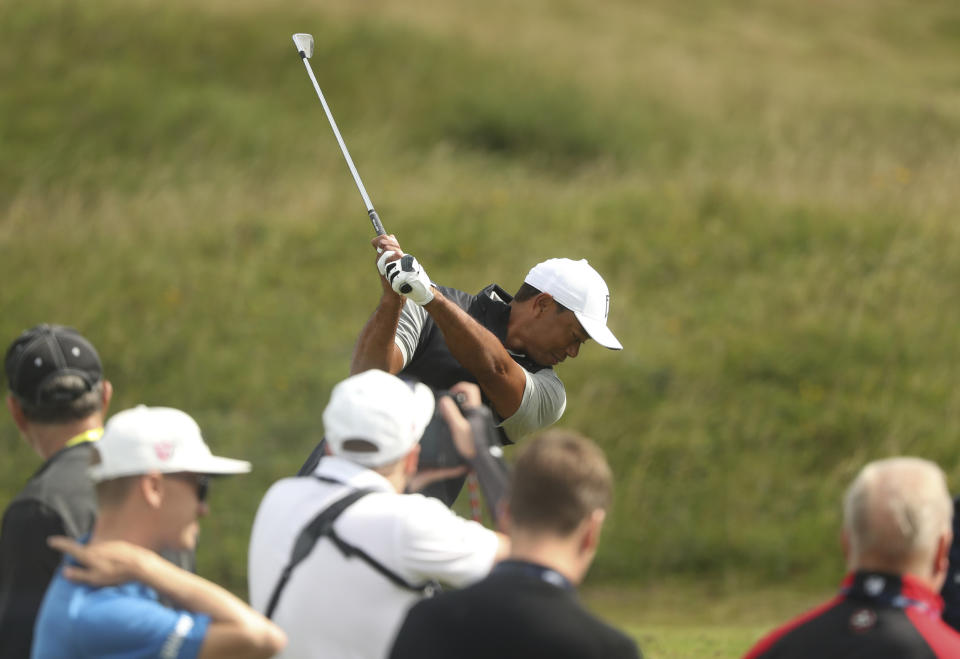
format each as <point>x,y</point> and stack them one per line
<point>202,483</point>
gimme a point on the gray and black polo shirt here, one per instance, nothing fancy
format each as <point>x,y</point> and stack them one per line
<point>427,358</point>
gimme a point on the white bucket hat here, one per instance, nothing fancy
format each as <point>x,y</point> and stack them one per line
<point>162,439</point>
<point>380,408</point>
<point>580,288</point>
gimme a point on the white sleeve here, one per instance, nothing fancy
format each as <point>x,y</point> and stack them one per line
<point>412,318</point>
<point>435,543</point>
<point>544,400</point>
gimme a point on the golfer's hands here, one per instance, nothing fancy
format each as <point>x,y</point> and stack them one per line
<point>104,563</point>
<point>387,243</point>
<point>408,277</point>
<point>388,249</point>
<point>402,272</point>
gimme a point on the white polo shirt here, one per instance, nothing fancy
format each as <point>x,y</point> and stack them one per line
<point>333,606</point>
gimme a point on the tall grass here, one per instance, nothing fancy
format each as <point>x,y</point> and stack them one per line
<point>769,188</point>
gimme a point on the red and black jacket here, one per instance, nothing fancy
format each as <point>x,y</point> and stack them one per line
<point>875,615</point>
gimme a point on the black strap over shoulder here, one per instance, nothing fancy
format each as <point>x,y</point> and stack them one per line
<point>322,525</point>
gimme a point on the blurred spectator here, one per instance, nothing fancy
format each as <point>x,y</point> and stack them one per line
<point>951,585</point>
<point>560,490</point>
<point>337,557</point>
<point>896,536</point>
<point>152,476</point>
<point>58,399</point>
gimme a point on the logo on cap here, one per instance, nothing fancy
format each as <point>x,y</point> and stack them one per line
<point>164,450</point>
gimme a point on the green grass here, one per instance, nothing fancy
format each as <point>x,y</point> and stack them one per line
<point>721,619</point>
<point>769,188</point>
<point>689,640</point>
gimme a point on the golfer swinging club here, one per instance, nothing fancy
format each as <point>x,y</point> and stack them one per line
<point>507,344</point>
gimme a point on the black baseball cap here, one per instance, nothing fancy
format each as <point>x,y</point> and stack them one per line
<point>45,351</point>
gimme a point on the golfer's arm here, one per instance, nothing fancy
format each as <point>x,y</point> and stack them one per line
<point>375,346</point>
<point>235,630</point>
<point>501,379</point>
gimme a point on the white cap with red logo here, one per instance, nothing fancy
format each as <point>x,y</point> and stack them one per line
<point>580,288</point>
<point>157,439</point>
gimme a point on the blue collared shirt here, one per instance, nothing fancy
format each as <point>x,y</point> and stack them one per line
<point>116,622</point>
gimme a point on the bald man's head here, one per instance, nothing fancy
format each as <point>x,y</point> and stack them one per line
<point>895,514</point>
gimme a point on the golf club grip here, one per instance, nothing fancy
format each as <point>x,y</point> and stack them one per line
<point>378,227</point>
<point>375,219</point>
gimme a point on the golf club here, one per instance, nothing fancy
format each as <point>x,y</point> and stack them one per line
<point>304,44</point>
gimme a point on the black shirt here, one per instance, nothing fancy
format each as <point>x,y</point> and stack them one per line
<point>520,610</point>
<point>432,363</point>
<point>951,585</point>
<point>58,499</point>
<point>875,616</point>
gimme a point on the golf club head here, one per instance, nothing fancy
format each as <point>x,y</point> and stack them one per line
<point>304,43</point>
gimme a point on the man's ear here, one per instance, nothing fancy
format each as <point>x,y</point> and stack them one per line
<point>412,461</point>
<point>16,411</point>
<point>152,489</point>
<point>591,533</point>
<point>542,303</point>
<point>941,557</point>
<point>107,396</point>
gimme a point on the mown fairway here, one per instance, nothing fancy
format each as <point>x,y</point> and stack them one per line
<point>771,190</point>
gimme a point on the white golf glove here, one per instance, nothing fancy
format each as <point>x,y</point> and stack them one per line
<point>382,262</point>
<point>406,276</point>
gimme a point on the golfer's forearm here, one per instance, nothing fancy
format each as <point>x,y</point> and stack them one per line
<point>375,346</point>
<point>481,353</point>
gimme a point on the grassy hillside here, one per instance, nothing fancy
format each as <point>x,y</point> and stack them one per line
<point>770,189</point>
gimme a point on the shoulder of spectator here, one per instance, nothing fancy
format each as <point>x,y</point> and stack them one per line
<point>427,519</point>
<point>31,515</point>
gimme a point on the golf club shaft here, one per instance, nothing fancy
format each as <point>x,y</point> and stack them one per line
<point>374,218</point>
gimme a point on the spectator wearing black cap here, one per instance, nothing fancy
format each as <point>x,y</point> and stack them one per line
<point>58,399</point>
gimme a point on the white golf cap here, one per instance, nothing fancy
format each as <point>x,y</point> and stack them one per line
<point>147,439</point>
<point>389,413</point>
<point>580,288</point>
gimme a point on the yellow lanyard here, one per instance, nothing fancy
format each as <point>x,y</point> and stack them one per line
<point>91,435</point>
